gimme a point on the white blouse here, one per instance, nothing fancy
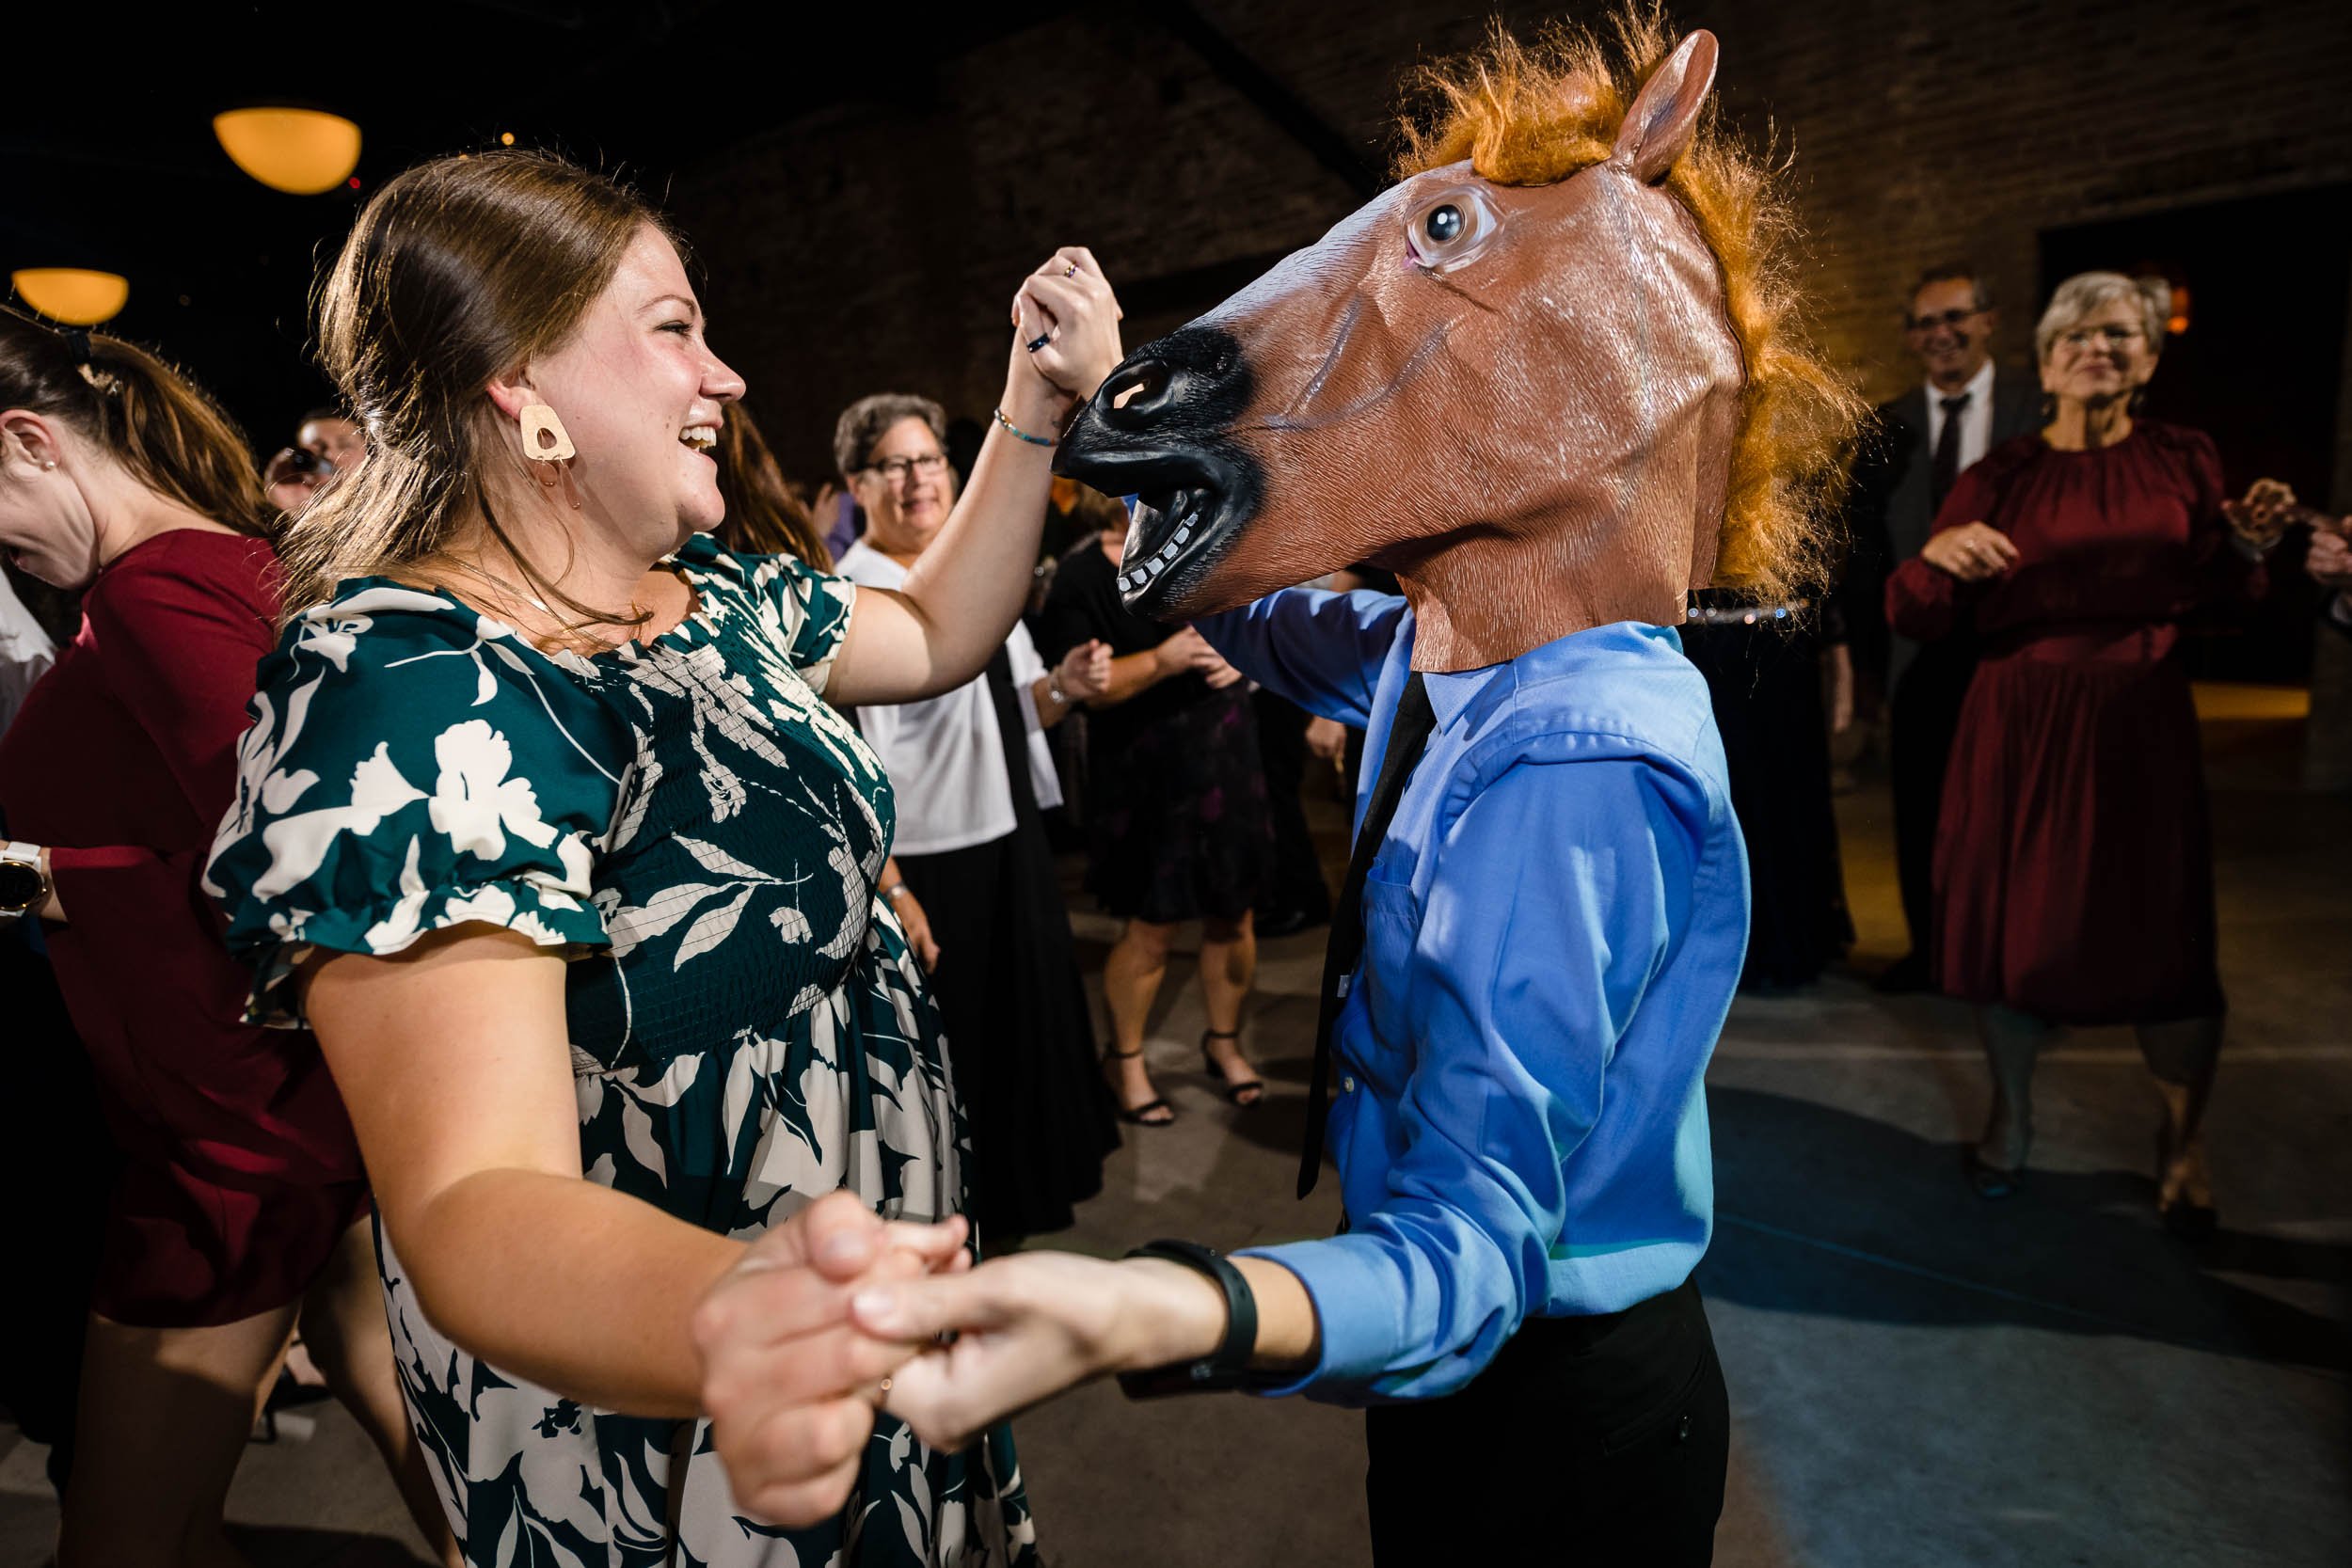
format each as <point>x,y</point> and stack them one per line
<point>946,762</point>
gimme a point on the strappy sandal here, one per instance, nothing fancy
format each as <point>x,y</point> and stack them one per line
<point>1141,1115</point>
<point>1241,1091</point>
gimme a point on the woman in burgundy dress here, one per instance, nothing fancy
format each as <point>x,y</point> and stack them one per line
<point>2074,872</point>
<point>241,1200</point>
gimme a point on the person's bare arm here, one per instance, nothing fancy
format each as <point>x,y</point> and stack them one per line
<point>1083,675</point>
<point>455,1061</point>
<point>1132,674</point>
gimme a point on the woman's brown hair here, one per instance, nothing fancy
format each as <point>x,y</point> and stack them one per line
<point>764,516</point>
<point>459,270</point>
<point>161,426</point>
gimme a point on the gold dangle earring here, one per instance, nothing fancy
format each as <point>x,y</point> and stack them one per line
<point>546,442</point>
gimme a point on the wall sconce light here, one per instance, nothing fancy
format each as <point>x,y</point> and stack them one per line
<point>300,152</point>
<point>74,295</point>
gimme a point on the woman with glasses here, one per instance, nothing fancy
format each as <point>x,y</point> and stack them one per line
<point>971,772</point>
<point>2074,875</point>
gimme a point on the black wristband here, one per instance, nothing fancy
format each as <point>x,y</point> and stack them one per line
<point>1227,1366</point>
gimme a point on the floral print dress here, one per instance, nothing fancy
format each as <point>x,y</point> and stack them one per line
<point>701,834</point>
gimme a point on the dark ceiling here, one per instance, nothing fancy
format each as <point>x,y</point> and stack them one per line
<point>112,161</point>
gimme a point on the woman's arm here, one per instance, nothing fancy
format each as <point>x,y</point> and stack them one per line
<point>913,918</point>
<point>454,1061</point>
<point>960,599</point>
<point>1928,596</point>
<point>1084,675</point>
<point>1132,674</point>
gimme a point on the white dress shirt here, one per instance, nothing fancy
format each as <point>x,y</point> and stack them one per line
<point>1976,420</point>
<point>946,757</point>
<point>26,652</point>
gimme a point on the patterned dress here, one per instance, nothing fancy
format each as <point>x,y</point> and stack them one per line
<point>701,833</point>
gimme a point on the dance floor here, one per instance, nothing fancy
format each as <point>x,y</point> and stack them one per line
<point>1917,1378</point>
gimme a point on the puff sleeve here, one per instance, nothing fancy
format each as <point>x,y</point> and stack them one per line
<point>410,766</point>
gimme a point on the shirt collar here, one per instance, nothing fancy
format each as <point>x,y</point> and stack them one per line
<point>1979,392</point>
<point>1454,691</point>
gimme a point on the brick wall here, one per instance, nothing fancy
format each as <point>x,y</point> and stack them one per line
<point>877,245</point>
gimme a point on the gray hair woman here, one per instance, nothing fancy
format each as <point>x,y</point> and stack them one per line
<point>2073,878</point>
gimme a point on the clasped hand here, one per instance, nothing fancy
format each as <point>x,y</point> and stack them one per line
<point>837,1314</point>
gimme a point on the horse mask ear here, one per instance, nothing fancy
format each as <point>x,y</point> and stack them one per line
<point>1665,114</point>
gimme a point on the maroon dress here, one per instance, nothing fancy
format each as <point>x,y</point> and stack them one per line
<point>2074,867</point>
<point>240,1169</point>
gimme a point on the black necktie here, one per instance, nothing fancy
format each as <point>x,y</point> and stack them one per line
<point>1407,733</point>
<point>1946,451</point>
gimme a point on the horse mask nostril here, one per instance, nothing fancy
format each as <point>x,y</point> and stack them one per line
<point>1138,391</point>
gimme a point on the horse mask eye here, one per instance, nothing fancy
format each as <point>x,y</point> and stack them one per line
<point>1448,228</point>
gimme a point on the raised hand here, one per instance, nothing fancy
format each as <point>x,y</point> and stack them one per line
<point>792,1387</point>
<point>2262,513</point>
<point>1065,324</point>
<point>1971,553</point>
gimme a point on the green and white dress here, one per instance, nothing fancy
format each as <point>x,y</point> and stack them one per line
<point>701,834</point>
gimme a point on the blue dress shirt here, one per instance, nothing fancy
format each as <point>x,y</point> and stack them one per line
<point>1553,928</point>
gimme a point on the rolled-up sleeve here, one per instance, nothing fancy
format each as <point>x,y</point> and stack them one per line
<point>1523,976</point>
<point>1318,649</point>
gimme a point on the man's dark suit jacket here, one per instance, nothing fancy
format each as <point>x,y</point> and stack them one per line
<point>1891,510</point>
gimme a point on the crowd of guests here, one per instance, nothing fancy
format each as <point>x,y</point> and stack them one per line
<point>359,702</point>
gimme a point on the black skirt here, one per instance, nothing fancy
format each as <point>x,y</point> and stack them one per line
<point>1766,683</point>
<point>1020,1039</point>
<point>1177,827</point>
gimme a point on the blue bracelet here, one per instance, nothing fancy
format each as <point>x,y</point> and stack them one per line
<point>1033,440</point>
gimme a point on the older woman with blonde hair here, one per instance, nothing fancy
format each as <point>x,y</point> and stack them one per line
<point>2073,874</point>
<point>546,827</point>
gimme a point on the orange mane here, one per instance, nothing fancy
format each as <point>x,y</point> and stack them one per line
<point>1535,114</point>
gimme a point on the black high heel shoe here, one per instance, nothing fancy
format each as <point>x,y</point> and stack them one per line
<point>1989,1181</point>
<point>1242,1091</point>
<point>1141,1115</point>
<point>2184,1220</point>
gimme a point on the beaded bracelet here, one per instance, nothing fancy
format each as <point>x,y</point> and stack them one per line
<point>1033,440</point>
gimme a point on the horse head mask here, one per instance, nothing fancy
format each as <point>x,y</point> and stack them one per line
<point>1551,378</point>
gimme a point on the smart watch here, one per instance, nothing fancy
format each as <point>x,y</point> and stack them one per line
<point>1227,1366</point>
<point>24,886</point>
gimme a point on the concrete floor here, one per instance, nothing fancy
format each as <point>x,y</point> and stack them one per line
<point>1917,1378</point>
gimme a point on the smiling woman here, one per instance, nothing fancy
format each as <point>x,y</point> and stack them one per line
<point>544,825</point>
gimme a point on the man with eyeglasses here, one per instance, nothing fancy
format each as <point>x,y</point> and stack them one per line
<point>1922,442</point>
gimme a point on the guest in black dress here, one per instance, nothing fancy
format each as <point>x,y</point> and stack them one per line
<point>972,771</point>
<point>1763,665</point>
<point>1176,813</point>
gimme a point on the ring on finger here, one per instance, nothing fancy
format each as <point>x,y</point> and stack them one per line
<point>1039,342</point>
<point>1070,271</point>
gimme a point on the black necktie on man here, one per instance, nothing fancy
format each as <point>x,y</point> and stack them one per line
<point>1409,733</point>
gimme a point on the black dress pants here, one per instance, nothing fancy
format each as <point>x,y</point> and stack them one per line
<point>1597,1441</point>
<point>1922,714</point>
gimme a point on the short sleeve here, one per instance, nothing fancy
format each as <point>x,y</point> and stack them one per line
<point>806,610</point>
<point>410,766</point>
